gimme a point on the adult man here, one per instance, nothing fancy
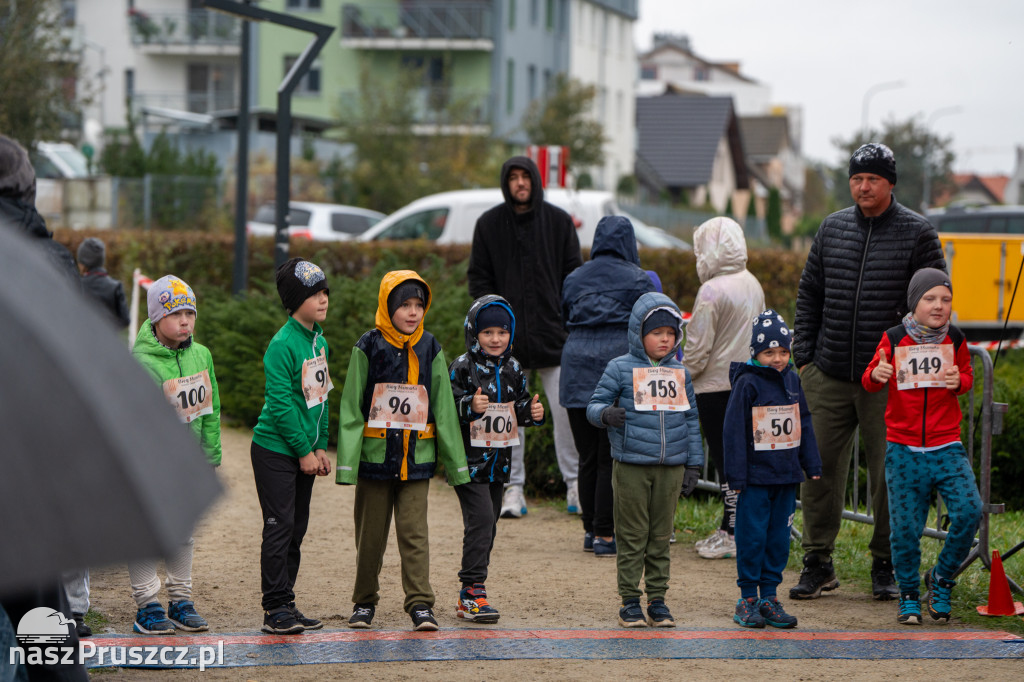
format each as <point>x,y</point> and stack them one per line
<point>853,288</point>
<point>522,250</point>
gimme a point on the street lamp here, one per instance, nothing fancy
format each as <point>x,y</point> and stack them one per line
<point>926,195</point>
<point>868,94</point>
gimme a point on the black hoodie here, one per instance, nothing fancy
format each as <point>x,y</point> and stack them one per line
<point>525,257</point>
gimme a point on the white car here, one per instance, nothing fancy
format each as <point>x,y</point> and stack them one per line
<point>316,221</point>
<point>450,217</point>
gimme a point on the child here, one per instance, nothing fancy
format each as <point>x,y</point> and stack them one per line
<point>487,374</point>
<point>397,419</point>
<point>768,439</point>
<point>165,347</point>
<point>104,289</point>
<point>646,401</point>
<point>290,439</point>
<point>926,364</point>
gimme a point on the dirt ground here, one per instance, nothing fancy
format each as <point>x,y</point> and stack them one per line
<point>539,578</point>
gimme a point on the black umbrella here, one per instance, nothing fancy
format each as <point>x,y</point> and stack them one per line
<point>96,468</point>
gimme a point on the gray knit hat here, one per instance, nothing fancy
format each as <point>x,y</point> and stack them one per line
<point>92,253</point>
<point>17,176</point>
<point>167,295</point>
<point>924,280</point>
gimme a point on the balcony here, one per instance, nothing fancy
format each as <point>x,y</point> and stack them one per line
<point>195,32</point>
<point>418,25</point>
<point>192,102</point>
<point>438,109</point>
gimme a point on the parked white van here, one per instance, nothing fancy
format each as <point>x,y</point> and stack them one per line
<point>450,217</point>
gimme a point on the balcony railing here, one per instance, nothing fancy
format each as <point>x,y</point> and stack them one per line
<point>194,102</point>
<point>424,20</point>
<point>436,105</point>
<point>194,27</point>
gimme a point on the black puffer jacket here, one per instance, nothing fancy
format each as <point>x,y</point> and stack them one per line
<point>854,285</point>
<point>525,257</point>
<point>18,214</point>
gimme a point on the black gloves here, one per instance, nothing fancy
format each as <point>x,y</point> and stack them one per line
<point>690,478</point>
<point>614,416</point>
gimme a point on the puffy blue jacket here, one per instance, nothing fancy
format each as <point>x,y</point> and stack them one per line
<point>662,437</point>
<point>756,385</point>
<point>597,299</point>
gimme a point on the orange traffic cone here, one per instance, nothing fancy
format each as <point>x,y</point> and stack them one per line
<point>1000,602</point>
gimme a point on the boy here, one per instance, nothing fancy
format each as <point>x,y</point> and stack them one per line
<point>397,419</point>
<point>768,443</point>
<point>646,401</point>
<point>289,441</point>
<point>107,291</point>
<point>491,396</point>
<point>184,368</point>
<point>926,364</point>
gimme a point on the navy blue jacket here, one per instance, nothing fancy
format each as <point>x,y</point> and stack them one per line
<point>597,298</point>
<point>755,385</point>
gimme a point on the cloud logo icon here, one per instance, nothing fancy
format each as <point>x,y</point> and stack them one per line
<point>43,625</point>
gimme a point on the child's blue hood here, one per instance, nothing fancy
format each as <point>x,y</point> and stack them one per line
<point>615,237</point>
<point>472,345</point>
<point>642,309</point>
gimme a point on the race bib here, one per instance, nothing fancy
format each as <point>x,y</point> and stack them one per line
<point>316,380</point>
<point>496,429</point>
<point>192,396</point>
<point>776,427</point>
<point>922,366</point>
<point>659,388</point>
<point>399,406</point>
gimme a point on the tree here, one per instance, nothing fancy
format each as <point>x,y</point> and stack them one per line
<point>911,142</point>
<point>773,216</point>
<point>37,71</point>
<point>562,118</point>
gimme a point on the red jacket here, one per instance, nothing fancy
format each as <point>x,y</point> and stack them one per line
<point>921,417</point>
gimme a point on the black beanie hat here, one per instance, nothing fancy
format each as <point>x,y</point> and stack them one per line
<point>924,280</point>
<point>493,315</point>
<point>769,331</point>
<point>661,318</point>
<point>874,157</point>
<point>297,280</point>
<point>410,288</point>
<point>92,253</point>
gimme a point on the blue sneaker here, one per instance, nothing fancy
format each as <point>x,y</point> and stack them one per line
<point>658,615</point>
<point>909,609</point>
<point>773,613</point>
<point>631,615</point>
<point>183,615</point>
<point>748,613</point>
<point>473,605</point>
<point>940,592</point>
<point>604,548</point>
<point>151,620</point>
<point>588,542</point>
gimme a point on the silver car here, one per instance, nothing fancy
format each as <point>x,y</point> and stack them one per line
<point>316,221</point>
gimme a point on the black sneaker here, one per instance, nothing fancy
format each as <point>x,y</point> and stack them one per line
<point>773,613</point>
<point>308,623</point>
<point>658,615</point>
<point>631,615</point>
<point>883,584</point>
<point>422,617</point>
<point>281,621</point>
<point>362,616</point>
<point>818,576</point>
<point>81,628</point>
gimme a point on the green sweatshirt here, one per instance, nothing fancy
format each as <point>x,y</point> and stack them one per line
<point>163,364</point>
<point>286,425</point>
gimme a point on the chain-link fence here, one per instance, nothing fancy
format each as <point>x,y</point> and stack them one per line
<point>166,202</point>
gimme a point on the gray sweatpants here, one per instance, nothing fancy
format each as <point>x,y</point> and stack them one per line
<point>146,582</point>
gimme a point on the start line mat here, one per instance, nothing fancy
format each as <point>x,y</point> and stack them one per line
<point>372,646</point>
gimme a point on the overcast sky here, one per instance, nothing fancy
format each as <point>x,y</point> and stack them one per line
<point>825,56</point>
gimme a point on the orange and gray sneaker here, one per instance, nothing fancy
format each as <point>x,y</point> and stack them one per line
<point>473,605</point>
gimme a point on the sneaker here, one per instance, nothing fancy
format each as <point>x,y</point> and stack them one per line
<point>572,499</point>
<point>909,609</point>
<point>701,543</point>
<point>658,615</point>
<point>631,615</point>
<point>152,620</point>
<point>473,605</point>
<point>818,576</point>
<point>281,621</point>
<point>604,548</point>
<point>883,584</point>
<point>362,616</point>
<point>588,542</point>
<point>308,623</point>
<point>422,618</point>
<point>748,613</point>
<point>513,504</point>
<point>672,538</point>
<point>183,615</point>
<point>81,628</point>
<point>940,592</point>
<point>773,613</point>
<point>721,546</point>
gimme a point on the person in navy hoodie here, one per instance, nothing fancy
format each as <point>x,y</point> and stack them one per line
<point>769,445</point>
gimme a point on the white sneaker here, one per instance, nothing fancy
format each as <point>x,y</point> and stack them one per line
<point>721,547</point>
<point>572,499</point>
<point>706,541</point>
<point>513,504</point>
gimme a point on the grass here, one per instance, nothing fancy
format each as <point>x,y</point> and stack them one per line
<point>698,517</point>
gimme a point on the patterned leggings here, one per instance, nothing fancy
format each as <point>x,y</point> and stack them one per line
<point>911,477</point>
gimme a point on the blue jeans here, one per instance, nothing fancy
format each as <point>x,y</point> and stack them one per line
<point>764,515</point>
<point>911,477</point>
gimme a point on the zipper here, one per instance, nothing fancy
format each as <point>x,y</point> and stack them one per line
<point>323,405</point>
<point>661,460</point>
<point>924,417</point>
<point>856,302</point>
